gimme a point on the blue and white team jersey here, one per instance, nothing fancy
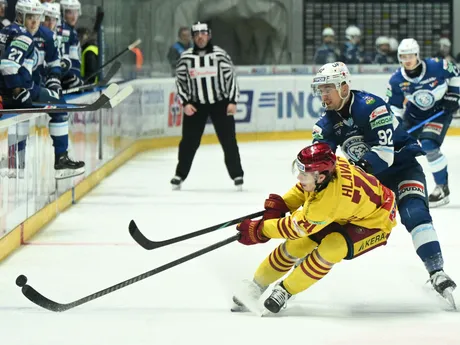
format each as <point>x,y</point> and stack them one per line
<point>326,53</point>
<point>352,53</point>
<point>372,132</point>
<point>70,49</point>
<point>48,64</point>
<point>18,57</point>
<point>422,96</point>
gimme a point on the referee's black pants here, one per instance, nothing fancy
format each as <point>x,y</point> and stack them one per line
<point>192,131</point>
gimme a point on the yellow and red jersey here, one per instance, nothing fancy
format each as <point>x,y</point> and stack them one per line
<point>352,196</point>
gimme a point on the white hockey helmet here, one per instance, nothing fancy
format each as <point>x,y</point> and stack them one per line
<point>24,7</point>
<point>71,5</point>
<point>393,44</point>
<point>445,42</point>
<point>328,32</point>
<point>335,73</point>
<point>382,40</point>
<point>52,9</point>
<point>408,46</point>
<point>352,31</point>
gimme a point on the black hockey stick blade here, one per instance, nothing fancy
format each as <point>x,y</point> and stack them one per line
<point>109,93</point>
<point>110,74</point>
<point>36,297</point>
<point>145,243</point>
<point>112,103</point>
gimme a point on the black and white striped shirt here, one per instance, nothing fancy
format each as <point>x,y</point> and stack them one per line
<point>206,77</point>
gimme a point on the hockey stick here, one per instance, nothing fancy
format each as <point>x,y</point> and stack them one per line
<point>130,47</point>
<point>105,97</point>
<point>110,74</point>
<point>417,126</point>
<point>112,103</point>
<point>145,243</point>
<point>35,297</point>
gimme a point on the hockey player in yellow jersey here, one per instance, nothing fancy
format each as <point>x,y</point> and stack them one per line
<point>345,213</point>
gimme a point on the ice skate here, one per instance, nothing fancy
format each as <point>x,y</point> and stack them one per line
<point>238,183</point>
<point>65,167</point>
<point>248,297</point>
<point>444,285</point>
<point>278,299</point>
<point>440,196</point>
<point>176,182</point>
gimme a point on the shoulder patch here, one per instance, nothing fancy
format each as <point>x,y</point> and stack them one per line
<point>369,100</point>
<point>25,39</point>
<point>317,132</point>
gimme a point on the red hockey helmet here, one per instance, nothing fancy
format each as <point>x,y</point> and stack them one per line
<point>318,157</point>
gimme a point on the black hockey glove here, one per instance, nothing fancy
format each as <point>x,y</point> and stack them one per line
<point>450,102</point>
<point>65,65</point>
<point>54,84</point>
<point>71,82</point>
<point>363,164</point>
<point>23,99</point>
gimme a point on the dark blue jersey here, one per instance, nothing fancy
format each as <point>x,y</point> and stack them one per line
<point>18,57</point>
<point>421,97</point>
<point>372,132</point>
<point>70,48</point>
<point>49,62</point>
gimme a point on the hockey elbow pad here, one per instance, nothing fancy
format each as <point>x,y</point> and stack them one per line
<point>363,165</point>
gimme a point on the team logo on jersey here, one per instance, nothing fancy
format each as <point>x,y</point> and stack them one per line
<point>411,187</point>
<point>369,100</point>
<point>354,148</point>
<point>35,58</point>
<point>175,110</point>
<point>317,132</point>
<point>377,112</point>
<point>424,99</point>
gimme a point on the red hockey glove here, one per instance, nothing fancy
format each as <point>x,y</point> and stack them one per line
<point>251,232</point>
<point>275,207</point>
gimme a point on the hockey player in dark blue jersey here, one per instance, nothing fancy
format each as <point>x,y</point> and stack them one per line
<point>71,50</point>
<point>17,61</point>
<point>371,137</point>
<point>419,90</point>
<point>47,88</point>
<point>352,52</point>
<point>18,54</point>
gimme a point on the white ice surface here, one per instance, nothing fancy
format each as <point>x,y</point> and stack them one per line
<point>377,299</point>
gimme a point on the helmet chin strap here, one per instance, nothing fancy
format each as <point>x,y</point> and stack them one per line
<point>344,100</point>
<point>320,186</point>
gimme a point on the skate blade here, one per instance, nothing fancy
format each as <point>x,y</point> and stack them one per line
<point>253,305</point>
<point>68,173</point>
<point>434,204</point>
<point>239,309</point>
<point>239,188</point>
<point>447,294</point>
<point>175,187</point>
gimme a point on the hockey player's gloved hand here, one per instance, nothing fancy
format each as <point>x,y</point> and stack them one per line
<point>450,102</point>
<point>275,207</point>
<point>54,84</point>
<point>72,82</point>
<point>363,164</point>
<point>23,99</point>
<point>251,232</point>
<point>65,65</point>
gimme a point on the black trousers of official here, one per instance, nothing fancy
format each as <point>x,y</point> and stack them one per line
<point>192,131</point>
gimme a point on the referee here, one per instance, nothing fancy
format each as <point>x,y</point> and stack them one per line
<point>207,86</point>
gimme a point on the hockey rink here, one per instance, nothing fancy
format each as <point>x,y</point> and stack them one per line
<point>379,298</point>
